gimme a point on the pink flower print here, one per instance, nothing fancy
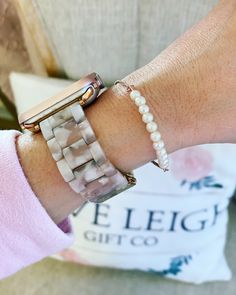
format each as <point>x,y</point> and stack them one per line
<point>72,256</point>
<point>191,163</point>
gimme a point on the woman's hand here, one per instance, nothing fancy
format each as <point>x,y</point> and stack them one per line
<point>191,90</point>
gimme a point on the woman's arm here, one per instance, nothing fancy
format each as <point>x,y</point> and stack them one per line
<point>191,89</point>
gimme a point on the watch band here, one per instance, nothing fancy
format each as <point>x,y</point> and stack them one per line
<point>80,158</point>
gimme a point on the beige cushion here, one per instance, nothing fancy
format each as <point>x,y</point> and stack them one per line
<point>51,277</point>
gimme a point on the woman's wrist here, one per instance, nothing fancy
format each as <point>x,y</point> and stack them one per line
<point>41,171</point>
<point>121,131</point>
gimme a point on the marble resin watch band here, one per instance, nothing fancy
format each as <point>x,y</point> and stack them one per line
<point>79,157</point>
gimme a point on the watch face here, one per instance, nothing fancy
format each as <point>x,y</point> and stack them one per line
<point>85,91</point>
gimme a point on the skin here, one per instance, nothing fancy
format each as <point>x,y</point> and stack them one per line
<point>191,91</point>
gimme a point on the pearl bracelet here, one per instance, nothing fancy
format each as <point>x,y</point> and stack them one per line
<point>151,126</point>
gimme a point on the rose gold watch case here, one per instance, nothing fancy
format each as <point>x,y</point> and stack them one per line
<point>84,90</point>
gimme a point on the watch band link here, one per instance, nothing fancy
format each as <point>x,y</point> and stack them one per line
<point>79,156</point>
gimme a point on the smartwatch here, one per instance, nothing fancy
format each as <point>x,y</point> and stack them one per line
<point>73,143</point>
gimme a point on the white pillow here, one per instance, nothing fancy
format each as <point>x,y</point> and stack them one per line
<point>172,224</point>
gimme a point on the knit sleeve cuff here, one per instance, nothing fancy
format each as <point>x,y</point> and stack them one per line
<point>28,234</point>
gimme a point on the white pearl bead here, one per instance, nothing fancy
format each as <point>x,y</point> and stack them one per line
<point>162,152</point>
<point>134,94</point>
<point>155,146</point>
<point>140,100</point>
<point>143,109</point>
<point>147,117</point>
<point>151,126</point>
<point>155,136</point>
<point>158,145</point>
<point>164,160</point>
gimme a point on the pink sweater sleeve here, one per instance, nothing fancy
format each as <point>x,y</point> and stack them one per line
<point>27,233</point>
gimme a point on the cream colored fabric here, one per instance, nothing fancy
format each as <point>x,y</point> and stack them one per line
<point>51,277</point>
<point>114,37</point>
